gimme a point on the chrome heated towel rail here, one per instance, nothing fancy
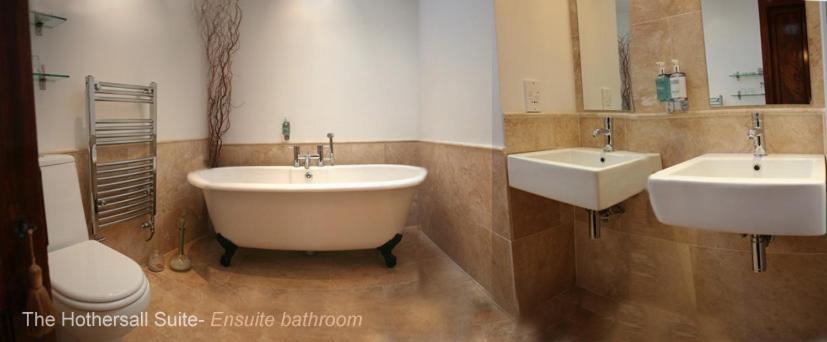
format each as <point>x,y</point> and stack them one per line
<point>125,189</point>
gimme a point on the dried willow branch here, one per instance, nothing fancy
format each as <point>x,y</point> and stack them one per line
<point>219,21</point>
<point>624,48</point>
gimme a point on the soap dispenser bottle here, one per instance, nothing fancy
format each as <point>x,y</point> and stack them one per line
<point>662,84</point>
<point>677,87</point>
<point>285,129</point>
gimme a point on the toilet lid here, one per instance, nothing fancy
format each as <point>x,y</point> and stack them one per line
<point>94,273</point>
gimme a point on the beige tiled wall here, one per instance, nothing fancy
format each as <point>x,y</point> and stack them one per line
<point>463,210</point>
<point>706,277</point>
<point>702,281</point>
<point>174,197</point>
<point>541,229</point>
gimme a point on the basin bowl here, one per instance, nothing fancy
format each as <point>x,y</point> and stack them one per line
<point>584,177</point>
<point>775,195</point>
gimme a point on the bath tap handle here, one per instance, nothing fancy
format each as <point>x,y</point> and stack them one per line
<point>296,162</point>
<point>320,152</point>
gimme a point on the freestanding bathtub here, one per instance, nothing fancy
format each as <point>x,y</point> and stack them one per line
<point>326,208</point>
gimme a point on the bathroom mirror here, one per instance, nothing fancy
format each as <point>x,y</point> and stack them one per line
<point>756,52</point>
<point>604,33</point>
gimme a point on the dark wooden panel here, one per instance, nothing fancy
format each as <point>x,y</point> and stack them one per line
<point>20,186</point>
<point>785,51</point>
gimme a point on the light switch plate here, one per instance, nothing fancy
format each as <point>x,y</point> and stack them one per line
<point>531,91</point>
<point>606,97</point>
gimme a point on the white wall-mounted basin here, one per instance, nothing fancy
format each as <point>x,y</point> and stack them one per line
<point>724,192</point>
<point>585,177</point>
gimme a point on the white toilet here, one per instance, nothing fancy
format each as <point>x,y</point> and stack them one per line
<point>87,276</point>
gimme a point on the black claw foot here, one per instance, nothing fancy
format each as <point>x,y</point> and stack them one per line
<point>387,248</point>
<point>229,249</point>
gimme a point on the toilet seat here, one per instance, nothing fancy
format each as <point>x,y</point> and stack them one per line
<point>100,307</point>
<point>91,276</point>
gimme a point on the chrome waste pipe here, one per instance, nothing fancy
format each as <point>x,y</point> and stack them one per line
<point>594,224</point>
<point>759,252</point>
<point>598,216</point>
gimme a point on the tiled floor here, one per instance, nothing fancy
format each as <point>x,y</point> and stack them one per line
<point>425,298</point>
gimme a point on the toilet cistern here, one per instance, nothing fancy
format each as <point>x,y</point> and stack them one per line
<point>606,131</point>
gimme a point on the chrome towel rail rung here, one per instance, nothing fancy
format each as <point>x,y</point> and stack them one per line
<point>107,224</point>
<point>106,204</point>
<point>147,185</point>
<point>122,142</point>
<point>122,121</point>
<point>101,85</point>
<point>127,175</point>
<point>122,99</point>
<point>142,93</point>
<point>135,179</point>
<point>103,222</point>
<point>122,214</point>
<point>106,213</point>
<point>122,162</point>
<point>122,169</point>
<point>123,128</point>
<point>123,135</point>
<point>102,201</point>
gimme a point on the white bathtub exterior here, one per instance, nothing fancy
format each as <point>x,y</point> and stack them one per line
<point>342,208</point>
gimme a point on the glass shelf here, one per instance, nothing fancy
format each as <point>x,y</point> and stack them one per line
<point>41,20</point>
<point>47,75</point>
<point>737,75</point>
<point>42,77</point>
<point>739,96</point>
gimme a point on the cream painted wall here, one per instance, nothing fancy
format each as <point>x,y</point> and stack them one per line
<point>534,42</point>
<point>129,41</point>
<point>357,68</point>
<point>599,54</point>
<point>348,67</point>
<point>458,86</point>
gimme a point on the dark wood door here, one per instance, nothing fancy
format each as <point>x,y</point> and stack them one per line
<point>785,53</point>
<point>20,187</point>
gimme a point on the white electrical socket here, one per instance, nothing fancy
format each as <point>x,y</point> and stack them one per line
<point>531,92</point>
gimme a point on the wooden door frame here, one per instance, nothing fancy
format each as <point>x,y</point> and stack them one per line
<point>21,194</point>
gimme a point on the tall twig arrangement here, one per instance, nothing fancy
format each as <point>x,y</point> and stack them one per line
<point>219,20</point>
<point>624,48</point>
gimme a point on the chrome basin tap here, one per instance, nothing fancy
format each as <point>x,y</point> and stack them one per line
<point>756,134</point>
<point>607,131</point>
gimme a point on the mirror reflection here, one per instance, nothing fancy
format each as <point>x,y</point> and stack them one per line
<point>756,52</point>
<point>604,34</point>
